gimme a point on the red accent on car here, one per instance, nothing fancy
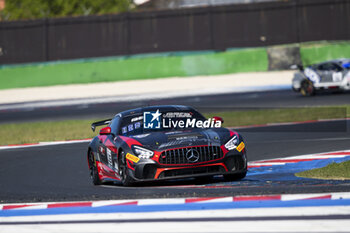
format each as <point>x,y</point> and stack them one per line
<point>105,131</point>
<point>217,118</point>
<point>156,156</point>
<point>130,164</point>
<point>130,141</point>
<point>102,138</point>
<point>160,170</point>
<point>224,150</point>
<point>110,145</point>
<point>104,172</point>
<point>233,133</point>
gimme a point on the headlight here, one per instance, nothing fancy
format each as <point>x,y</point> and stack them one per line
<point>232,143</point>
<point>143,153</point>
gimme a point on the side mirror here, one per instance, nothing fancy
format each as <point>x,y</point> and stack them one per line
<point>217,118</point>
<point>105,131</point>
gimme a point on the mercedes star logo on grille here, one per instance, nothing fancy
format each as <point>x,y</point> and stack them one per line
<point>192,155</point>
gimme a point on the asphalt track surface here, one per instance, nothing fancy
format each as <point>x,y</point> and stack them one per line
<point>206,103</point>
<point>60,173</point>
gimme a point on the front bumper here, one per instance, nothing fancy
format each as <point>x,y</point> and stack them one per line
<point>149,170</point>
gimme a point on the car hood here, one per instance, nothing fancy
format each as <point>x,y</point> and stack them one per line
<point>161,140</point>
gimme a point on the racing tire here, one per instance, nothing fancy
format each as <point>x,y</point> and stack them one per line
<point>307,88</point>
<point>93,170</point>
<point>235,177</point>
<point>123,170</point>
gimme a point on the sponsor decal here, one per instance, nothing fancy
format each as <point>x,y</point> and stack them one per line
<point>130,127</point>
<point>151,120</point>
<point>312,75</point>
<point>187,138</point>
<point>177,120</point>
<point>240,147</point>
<point>124,130</point>
<point>137,125</point>
<point>136,118</point>
<point>132,158</point>
<point>109,158</point>
<point>178,115</point>
<point>191,123</point>
<point>141,135</point>
<point>172,132</point>
<point>337,77</point>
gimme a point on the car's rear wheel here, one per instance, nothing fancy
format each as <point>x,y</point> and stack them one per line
<point>307,88</point>
<point>237,176</point>
<point>93,170</point>
<point>123,170</point>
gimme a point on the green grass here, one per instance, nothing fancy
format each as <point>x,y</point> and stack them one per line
<point>337,171</point>
<point>45,131</point>
<point>20,133</point>
<point>256,117</point>
<point>150,66</point>
<point>132,68</point>
<point>312,53</point>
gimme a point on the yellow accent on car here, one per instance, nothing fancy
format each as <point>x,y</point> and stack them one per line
<point>240,147</point>
<point>132,158</point>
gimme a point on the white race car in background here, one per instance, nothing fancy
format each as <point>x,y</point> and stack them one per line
<point>329,75</point>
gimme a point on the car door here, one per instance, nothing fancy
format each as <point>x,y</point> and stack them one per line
<point>107,147</point>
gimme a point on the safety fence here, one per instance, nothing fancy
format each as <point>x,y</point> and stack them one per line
<point>207,28</point>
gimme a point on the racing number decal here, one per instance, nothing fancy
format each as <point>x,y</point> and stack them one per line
<point>337,77</point>
<point>312,75</point>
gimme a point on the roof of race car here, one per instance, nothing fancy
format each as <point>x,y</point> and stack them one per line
<point>136,111</point>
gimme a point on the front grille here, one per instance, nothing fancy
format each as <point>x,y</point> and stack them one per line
<point>326,79</point>
<point>185,155</point>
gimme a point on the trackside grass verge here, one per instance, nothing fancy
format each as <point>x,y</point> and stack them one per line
<point>336,171</point>
<point>45,131</point>
<point>160,65</point>
<point>33,132</point>
<point>264,116</point>
<point>112,69</point>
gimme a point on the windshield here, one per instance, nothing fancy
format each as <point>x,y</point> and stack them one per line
<point>159,121</point>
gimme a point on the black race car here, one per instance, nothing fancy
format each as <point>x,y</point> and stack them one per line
<point>329,75</point>
<point>164,142</point>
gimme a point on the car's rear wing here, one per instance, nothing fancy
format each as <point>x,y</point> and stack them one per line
<point>98,123</point>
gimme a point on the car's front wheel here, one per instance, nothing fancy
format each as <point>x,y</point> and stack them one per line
<point>123,170</point>
<point>307,88</point>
